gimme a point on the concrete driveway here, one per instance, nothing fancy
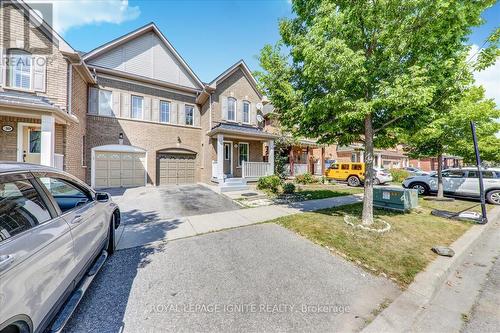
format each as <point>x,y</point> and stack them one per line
<point>144,204</point>
<point>260,278</point>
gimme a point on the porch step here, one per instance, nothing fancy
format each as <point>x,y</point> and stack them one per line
<point>234,184</point>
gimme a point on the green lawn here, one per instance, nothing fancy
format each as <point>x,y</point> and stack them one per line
<point>400,253</point>
<point>322,191</point>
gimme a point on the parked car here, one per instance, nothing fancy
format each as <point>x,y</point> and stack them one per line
<point>55,234</point>
<point>354,173</point>
<point>459,182</point>
<point>415,171</point>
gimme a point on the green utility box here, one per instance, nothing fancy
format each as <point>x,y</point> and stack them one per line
<point>395,198</point>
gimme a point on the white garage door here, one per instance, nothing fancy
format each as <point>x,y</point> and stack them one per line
<point>119,169</point>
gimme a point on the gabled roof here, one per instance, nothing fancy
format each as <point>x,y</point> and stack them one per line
<point>240,64</point>
<point>150,27</point>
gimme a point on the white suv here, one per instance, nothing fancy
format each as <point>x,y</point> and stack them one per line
<point>55,234</point>
<point>459,182</point>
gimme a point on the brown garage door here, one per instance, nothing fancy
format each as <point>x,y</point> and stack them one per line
<point>176,168</point>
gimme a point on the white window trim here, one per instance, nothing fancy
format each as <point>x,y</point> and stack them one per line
<point>239,152</point>
<point>243,112</point>
<point>169,112</point>
<point>186,106</point>
<point>235,108</point>
<point>9,72</point>
<point>132,106</point>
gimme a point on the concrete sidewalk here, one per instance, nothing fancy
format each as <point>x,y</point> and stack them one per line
<point>138,234</point>
<point>441,298</point>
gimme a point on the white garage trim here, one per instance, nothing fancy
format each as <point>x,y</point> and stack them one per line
<point>117,149</point>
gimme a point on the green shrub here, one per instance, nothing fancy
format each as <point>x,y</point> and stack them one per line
<point>271,183</point>
<point>398,175</point>
<point>304,179</point>
<point>288,188</point>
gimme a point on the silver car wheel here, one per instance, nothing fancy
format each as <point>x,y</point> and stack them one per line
<point>495,197</point>
<point>353,181</point>
<point>420,188</point>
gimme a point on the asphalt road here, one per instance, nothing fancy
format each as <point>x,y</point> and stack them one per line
<point>261,278</point>
<point>151,203</point>
<point>485,315</point>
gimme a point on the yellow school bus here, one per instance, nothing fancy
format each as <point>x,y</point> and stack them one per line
<point>353,173</point>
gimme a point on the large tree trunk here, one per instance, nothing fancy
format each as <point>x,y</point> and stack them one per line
<point>368,196</point>
<point>440,193</point>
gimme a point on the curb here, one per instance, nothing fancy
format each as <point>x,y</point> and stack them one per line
<point>402,313</point>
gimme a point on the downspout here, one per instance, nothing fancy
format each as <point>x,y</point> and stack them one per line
<point>210,114</point>
<point>70,88</point>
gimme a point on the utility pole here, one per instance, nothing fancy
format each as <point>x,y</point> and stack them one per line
<point>480,174</point>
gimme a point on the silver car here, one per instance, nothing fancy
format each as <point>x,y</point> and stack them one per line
<point>55,234</point>
<point>459,182</point>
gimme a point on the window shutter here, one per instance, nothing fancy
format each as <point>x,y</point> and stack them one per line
<point>224,107</point>
<point>173,114</point>
<point>147,108</point>
<point>197,116</point>
<point>125,105</point>
<point>116,103</point>
<point>155,110</point>
<point>181,111</point>
<point>252,114</point>
<point>93,101</point>
<point>39,73</point>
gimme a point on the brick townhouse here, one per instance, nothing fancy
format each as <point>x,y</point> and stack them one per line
<point>43,92</point>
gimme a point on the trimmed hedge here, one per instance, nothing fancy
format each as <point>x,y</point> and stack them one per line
<point>271,183</point>
<point>288,188</point>
<point>305,179</point>
<point>398,175</point>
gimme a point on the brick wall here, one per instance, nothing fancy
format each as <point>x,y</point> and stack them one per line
<point>18,33</point>
<point>149,136</point>
<point>75,131</point>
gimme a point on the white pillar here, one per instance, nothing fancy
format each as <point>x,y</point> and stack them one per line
<point>220,158</point>
<point>362,156</point>
<point>379,160</point>
<point>271,155</point>
<point>48,142</point>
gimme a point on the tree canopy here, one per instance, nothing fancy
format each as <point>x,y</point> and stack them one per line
<point>368,71</point>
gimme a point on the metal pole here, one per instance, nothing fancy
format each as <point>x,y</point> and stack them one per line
<point>480,173</point>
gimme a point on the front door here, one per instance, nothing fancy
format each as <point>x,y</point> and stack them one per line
<point>228,158</point>
<point>32,142</point>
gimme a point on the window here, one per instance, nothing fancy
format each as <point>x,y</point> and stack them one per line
<point>227,152</point>
<point>137,103</point>
<point>334,166</point>
<point>356,167</point>
<point>246,112</point>
<point>453,174</point>
<point>189,109</point>
<point>231,109</point>
<point>19,69</point>
<point>243,153</point>
<point>105,103</point>
<point>486,174</point>
<point>22,208</point>
<point>67,195</point>
<point>164,112</point>
<point>344,167</point>
<point>35,141</point>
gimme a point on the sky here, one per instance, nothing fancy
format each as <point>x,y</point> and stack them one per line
<point>209,35</point>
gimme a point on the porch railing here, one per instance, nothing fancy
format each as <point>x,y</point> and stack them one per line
<point>59,161</point>
<point>255,169</point>
<point>298,169</point>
